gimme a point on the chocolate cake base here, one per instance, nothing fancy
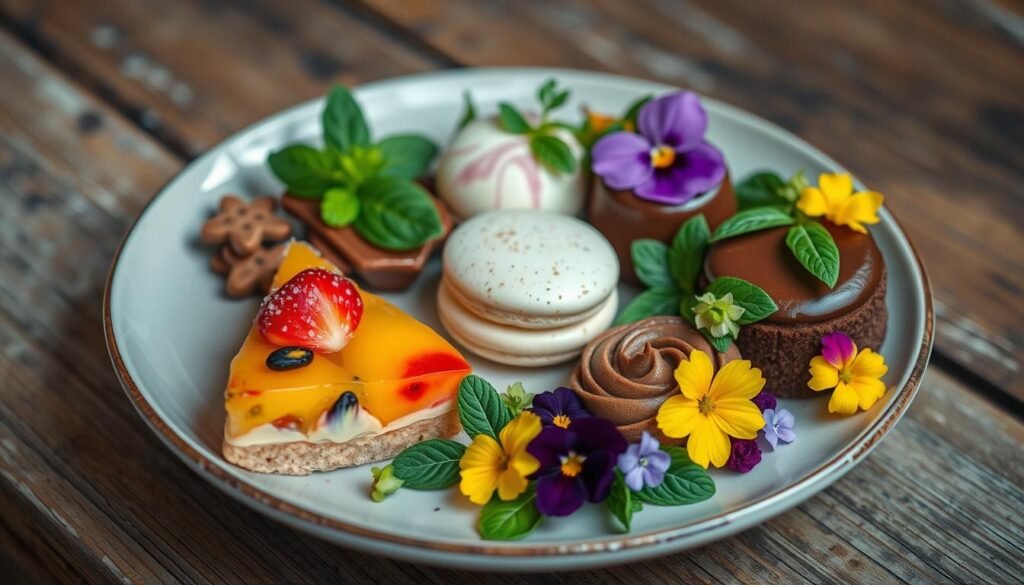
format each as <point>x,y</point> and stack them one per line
<point>783,351</point>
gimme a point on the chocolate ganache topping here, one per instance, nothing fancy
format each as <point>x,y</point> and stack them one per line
<point>628,372</point>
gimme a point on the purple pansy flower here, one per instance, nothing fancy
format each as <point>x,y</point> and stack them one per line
<point>644,463</point>
<point>765,400</point>
<point>560,407</point>
<point>838,349</point>
<point>778,426</point>
<point>576,464</point>
<point>668,161</point>
<point>745,455</point>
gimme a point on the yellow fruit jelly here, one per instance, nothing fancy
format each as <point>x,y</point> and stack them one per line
<point>394,364</point>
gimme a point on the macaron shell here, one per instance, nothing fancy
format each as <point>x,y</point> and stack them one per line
<point>535,264</point>
<point>517,346</point>
<point>516,319</point>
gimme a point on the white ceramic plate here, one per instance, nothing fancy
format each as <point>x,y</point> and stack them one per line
<point>171,334</point>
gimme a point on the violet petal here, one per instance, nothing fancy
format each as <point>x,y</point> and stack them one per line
<point>558,495</point>
<point>677,120</point>
<point>622,159</point>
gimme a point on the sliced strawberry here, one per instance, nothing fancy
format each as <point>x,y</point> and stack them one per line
<point>317,309</point>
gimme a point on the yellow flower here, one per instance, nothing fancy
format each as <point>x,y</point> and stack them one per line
<point>834,198</point>
<point>856,379</point>
<point>488,465</point>
<point>712,407</point>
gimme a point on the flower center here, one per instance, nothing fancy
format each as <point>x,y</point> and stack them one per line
<point>561,420</point>
<point>717,315</point>
<point>706,405</point>
<point>662,156</point>
<point>643,462</point>
<point>845,375</point>
<point>572,464</point>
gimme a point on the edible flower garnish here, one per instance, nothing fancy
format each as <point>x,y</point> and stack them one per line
<point>856,377</point>
<point>718,316</point>
<point>834,198</point>
<point>765,400</point>
<point>516,398</point>
<point>560,407</point>
<point>490,465</point>
<point>712,407</point>
<point>778,426</point>
<point>668,161</point>
<point>577,464</point>
<point>384,482</point>
<point>745,455</point>
<point>644,463</point>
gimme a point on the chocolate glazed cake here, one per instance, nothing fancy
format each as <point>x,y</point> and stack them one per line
<point>623,217</point>
<point>627,373</point>
<point>783,344</point>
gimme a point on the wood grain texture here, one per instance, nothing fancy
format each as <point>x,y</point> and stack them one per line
<point>920,100</point>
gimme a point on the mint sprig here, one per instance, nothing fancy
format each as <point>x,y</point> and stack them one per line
<point>430,465</point>
<point>481,410</point>
<point>621,504</point>
<point>545,145</point>
<point>814,247</point>
<point>685,483</point>
<point>510,520</point>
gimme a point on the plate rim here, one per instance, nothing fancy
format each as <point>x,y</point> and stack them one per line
<point>299,516</point>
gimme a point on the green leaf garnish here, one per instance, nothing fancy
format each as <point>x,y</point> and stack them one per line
<point>306,171</point>
<point>760,189</point>
<point>721,344</point>
<point>752,220</point>
<point>468,110</point>
<point>620,502</point>
<point>634,109</point>
<point>685,483</point>
<point>511,120</point>
<point>481,410</point>
<point>430,465</point>
<point>686,308</point>
<point>339,208</point>
<point>510,520</point>
<point>553,153</point>
<point>407,155</point>
<point>814,247</point>
<point>550,98</point>
<point>516,398</point>
<point>756,303</point>
<point>650,262</point>
<point>686,255</point>
<point>343,123</point>
<point>396,214</point>
<point>650,303</point>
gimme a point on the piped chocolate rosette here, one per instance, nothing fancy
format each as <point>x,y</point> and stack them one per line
<point>628,372</point>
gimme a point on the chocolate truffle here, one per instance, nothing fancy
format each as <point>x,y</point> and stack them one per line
<point>783,344</point>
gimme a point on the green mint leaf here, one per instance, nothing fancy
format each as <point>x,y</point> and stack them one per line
<point>620,502</point>
<point>339,208</point>
<point>406,156</point>
<point>430,465</point>
<point>468,111</point>
<point>685,483</point>
<point>511,120</point>
<point>760,189</point>
<point>558,101</point>
<point>721,344</point>
<point>756,303</point>
<point>793,187</point>
<point>546,92</point>
<point>752,220</point>
<point>343,122</point>
<point>553,153</point>
<point>306,171</point>
<point>650,303</point>
<point>686,308</point>
<point>650,262</point>
<point>686,255</point>
<point>516,398</point>
<point>510,520</point>
<point>481,409</point>
<point>396,214</point>
<point>634,109</point>
<point>814,247</point>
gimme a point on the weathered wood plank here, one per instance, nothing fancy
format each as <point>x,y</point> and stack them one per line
<point>921,100</point>
<point>194,71</point>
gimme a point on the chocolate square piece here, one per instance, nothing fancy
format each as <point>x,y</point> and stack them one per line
<point>380,269</point>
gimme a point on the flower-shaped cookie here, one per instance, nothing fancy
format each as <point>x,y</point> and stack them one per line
<point>244,226</point>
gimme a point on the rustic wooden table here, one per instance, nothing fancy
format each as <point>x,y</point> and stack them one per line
<point>102,102</point>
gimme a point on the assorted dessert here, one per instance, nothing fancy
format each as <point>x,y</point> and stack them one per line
<point>765,288</point>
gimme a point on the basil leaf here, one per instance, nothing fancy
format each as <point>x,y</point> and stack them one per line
<point>430,465</point>
<point>620,502</point>
<point>511,120</point>
<point>396,214</point>
<point>468,112</point>
<point>339,208</point>
<point>481,409</point>
<point>306,171</point>
<point>685,483</point>
<point>510,520</point>
<point>650,262</point>
<point>814,247</point>
<point>651,302</point>
<point>407,156</point>
<point>756,302</point>
<point>760,189</point>
<point>553,153</point>
<point>546,92</point>
<point>686,256</point>
<point>752,220</point>
<point>634,109</point>
<point>344,125</point>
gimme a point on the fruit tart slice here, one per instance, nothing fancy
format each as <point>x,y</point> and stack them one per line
<point>331,376</point>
